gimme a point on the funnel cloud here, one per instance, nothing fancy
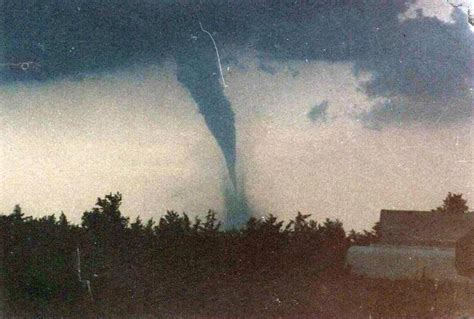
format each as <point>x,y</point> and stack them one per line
<point>198,72</point>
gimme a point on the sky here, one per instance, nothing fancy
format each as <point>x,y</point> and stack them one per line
<point>334,108</point>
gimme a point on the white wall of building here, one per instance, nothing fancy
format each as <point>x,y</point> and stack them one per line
<point>404,262</point>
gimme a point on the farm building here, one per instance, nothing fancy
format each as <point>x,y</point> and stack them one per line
<point>418,244</point>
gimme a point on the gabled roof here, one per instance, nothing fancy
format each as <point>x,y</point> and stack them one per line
<point>411,227</point>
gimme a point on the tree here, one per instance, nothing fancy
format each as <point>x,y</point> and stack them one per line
<point>106,216</point>
<point>453,204</point>
<point>105,246</point>
<point>211,224</point>
<point>172,225</point>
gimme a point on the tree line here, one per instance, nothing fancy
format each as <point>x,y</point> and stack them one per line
<point>110,266</point>
<point>50,261</point>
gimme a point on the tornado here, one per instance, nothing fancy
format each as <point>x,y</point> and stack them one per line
<point>2,39</point>
<point>198,72</point>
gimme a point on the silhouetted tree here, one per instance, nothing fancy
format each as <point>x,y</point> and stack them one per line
<point>304,242</point>
<point>453,204</point>
<point>172,225</point>
<point>211,225</point>
<point>301,224</point>
<point>106,216</point>
<point>17,214</point>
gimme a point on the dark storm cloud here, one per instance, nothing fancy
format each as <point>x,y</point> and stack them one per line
<point>429,75</point>
<point>420,58</point>
<point>318,112</point>
<point>421,66</point>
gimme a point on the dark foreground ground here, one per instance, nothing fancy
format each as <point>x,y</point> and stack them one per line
<point>290,296</point>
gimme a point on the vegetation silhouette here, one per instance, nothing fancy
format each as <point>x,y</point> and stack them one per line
<point>453,204</point>
<point>180,267</point>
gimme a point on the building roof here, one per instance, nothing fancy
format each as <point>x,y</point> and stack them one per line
<point>410,227</point>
